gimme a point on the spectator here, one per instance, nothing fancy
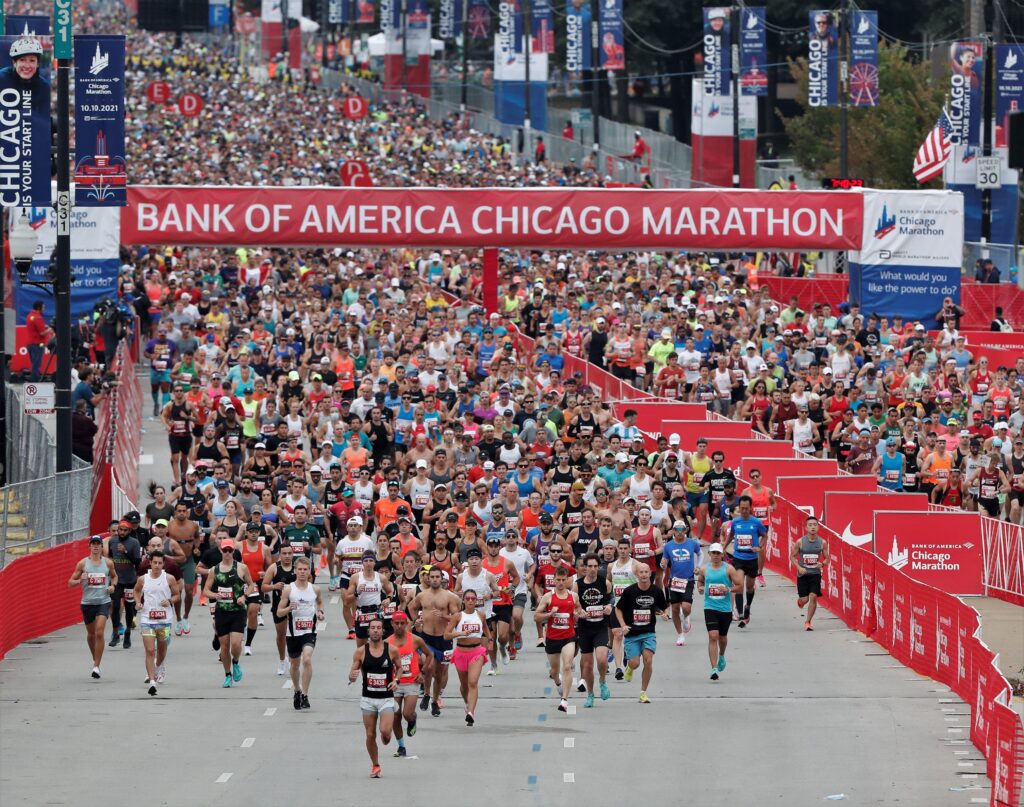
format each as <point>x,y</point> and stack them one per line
<point>1000,324</point>
<point>83,431</point>
<point>39,336</point>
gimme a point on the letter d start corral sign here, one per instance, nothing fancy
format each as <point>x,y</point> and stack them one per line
<point>939,549</point>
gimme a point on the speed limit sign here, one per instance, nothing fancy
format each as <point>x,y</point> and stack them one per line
<point>988,173</point>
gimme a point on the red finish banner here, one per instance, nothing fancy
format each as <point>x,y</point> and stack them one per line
<point>491,217</point>
<point>939,549</point>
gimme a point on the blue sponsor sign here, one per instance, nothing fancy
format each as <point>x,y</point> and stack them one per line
<point>965,83</point>
<point>613,40</point>
<point>101,178</point>
<point>717,53</point>
<point>577,36</point>
<point>753,52</point>
<point>1009,81</point>
<point>220,14</point>
<point>24,129</point>
<point>542,25</point>
<point>864,90</point>
<point>449,23</point>
<point>27,25</point>
<point>823,60</point>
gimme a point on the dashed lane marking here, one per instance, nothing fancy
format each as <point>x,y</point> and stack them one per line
<point>248,742</point>
<point>222,778</point>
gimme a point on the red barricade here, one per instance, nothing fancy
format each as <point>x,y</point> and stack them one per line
<point>34,596</point>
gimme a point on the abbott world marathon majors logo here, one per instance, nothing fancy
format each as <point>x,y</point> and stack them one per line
<point>930,559</point>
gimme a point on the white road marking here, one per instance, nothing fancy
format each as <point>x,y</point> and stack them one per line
<point>965,764</point>
<point>146,459</point>
<point>335,600</point>
<point>270,712</point>
<point>286,685</point>
<point>569,742</point>
<point>248,742</point>
<point>572,710</point>
<point>222,778</point>
<point>569,777</point>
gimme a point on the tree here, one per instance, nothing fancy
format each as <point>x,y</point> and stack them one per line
<point>883,139</point>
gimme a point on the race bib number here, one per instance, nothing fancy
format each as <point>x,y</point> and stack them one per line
<point>472,629</point>
<point>407,665</point>
<point>810,559</point>
<point>805,443</point>
<point>909,478</point>
<point>366,617</point>
<point>159,365</point>
<point>760,512</point>
<point>225,593</point>
<point>595,611</point>
<point>158,614</point>
<point>129,596</point>
<point>232,441</point>
<point>678,584</point>
<point>618,589</point>
<point>642,616</point>
<point>942,474</point>
<point>421,500</point>
<point>698,478</point>
<point>717,591</point>
<point>350,567</point>
<point>744,542</point>
<point>303,624</point>
<point>409,590</point>
<point>642,551</point>
<point>892,475</point>
<point>376,681</point>
<point>560,620</point>
<point>96,580</point>
<point>179,426</point>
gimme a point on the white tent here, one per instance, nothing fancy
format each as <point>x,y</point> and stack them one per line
<point>376,44</point>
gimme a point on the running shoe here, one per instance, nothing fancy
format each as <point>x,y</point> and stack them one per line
<point>760,581</point>
<point>297,701</point>
<point>519,641</point>
<point>259,620</point>
<point>629,674</point>
<point>742,623</point>
<point>152,690</point>
<point>400,751</point>
<point>177,628</point>
<point>115,640</point>
<point>186,628</point>
<point>95,672</point>
<point>332,585</point>
<point>227,681</point>
<point>686,624</point>
<point>589,702</point>
<point>440,703</point>
<point>120,630</point>
<point>492,670</point>
<point>644,698</point>
<point>215,643</point>
<point>513,654</point>
<point>435,710</point>
<point>469,719</point>
<point>127,644</point>
<point>236,671</point>
<point>618,674</point>
<point>504,655</point>
<point>248,650</point>
<point>714,674</point>
<point>680,640</point>
<point>424,703</point>
<point>351,635</point>
<point>282,667</point>
<point>411,730</point>
<point>540,643</point>
<point>605,692</point>
<point>305,701</point>
<point>563,705</point>
<point>581,686</point>
<point>375,772</point>
<point>721,664</point>
<point>161,674</point>
<point>807,626</point>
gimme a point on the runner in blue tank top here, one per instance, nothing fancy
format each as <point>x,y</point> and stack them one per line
<point>718,582</point>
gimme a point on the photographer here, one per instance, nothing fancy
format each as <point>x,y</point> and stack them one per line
<point>85,391</point>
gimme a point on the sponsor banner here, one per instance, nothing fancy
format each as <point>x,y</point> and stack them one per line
<point>390,17</point>
<point>613,43</point>
<point>851,514</point>
<point>366,12</point>
<point>922,639</point>
<point>851,559</point>
<point>771,468</point>
<point>577,36</point>
<point>899,646</point>
<point>864,90</point>
<point>95,246</point>
<point>753,52</point>
<point>947,613</point>
<point>942,550</point>
<point>270,11</point>
<point>910,259</point>
<point>25,112</point>
<point>823,60</point>
<point>505,46</point>
<point>712,116</point>
<point>542,23</point>
<point>810,491</point>
<point>832,574</point>
<point>27,25</point>
<point>554,217</point>
<point>449,20</point>
<point>1009,82</point>
<point>337,12</point>
<point>717,52</point>
<point>419,16</point>
<point>479,19</point>
<point>966,80</point>
<point>101,178</point>
<point>866,622</point>
<point>882,603</point>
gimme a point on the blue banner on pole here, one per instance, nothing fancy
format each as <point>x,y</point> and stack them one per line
<point>577,36</point>
<point>479,19</point>
<point>419,15</point>
<point>101,178</point>
<point>220,14</point>
<point>965,85</point>
<point>864,89</point>
<point>505,47</point>
<point>449,22</point>
<point>823,60</point>
<point>1009,82</point>
<point>542,23</point>
<point>25,112</point>
<point>27,25</point>
<point>613,39</point>
<point>337,12</point>
<point>717,52</point>
<point>753,52</point>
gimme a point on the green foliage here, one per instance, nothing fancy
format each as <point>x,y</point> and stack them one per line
<point>882,140</point>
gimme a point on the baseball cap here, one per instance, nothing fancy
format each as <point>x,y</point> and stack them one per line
<point>260,445</point>
<point>679,524</point>
<point>392,483</point>
<point>488,466</point>
<point>225,401</point>
<point>674,439</point>
<point>715,547</point>
<point>493,539</point>
<point>161,522</point>
<point>227,543</point>
<point>622,457</point>
<point>578,486</point>
<point>356,520</point>
<point>421,464</point>
<point>545,518</point>
<point>96,539</point>
<point>399,616</point>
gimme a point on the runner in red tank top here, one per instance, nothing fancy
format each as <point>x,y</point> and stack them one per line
<point>256,557</point>
<point>501,617</point>
<point>559,609</point>
<point>646,546</point>
<point>410,649</point>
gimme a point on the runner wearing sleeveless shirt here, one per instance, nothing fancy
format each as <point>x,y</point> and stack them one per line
<point>365,594</point>
<point>506,579</point>
<point>951,492</point>
<point>646,540</point>
<point>411,649</point>
<point>98,579</point>
<point>256,557</point>
<point>809,555</point>
<point>594,595</point>
<point>558,610</point>
<point>303,607</point>
<point>468,629</point>
<point>226,587</point>
<point>280,573</point>
<point>991,482</point>
<point>379,664</point>
<point>350,550</point>
<point>718,582</point>
<point>156,592</point>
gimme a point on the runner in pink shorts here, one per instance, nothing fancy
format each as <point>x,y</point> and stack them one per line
<point>471,634</point>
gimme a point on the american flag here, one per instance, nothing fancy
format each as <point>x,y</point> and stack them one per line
<point>935,150</point>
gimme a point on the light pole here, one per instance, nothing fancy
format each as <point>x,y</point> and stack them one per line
<point>62,49</point>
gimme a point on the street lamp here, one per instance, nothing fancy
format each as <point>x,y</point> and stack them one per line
<point>23,242</point>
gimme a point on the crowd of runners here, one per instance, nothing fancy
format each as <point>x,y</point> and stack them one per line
<point>350,423</point>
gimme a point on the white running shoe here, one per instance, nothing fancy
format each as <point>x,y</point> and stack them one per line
<point>161,674</point>
<point>686,624</point>
<point>681,640</point>
<point>492,670</point>
<point>259,620</point>
<point>504,655</point>
<point>282,667</point>
<point>248,650</point>
<point>95,672</point>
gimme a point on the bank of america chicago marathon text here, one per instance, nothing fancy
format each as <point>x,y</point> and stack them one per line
<point>541,220</point>
<point>15,144</point>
